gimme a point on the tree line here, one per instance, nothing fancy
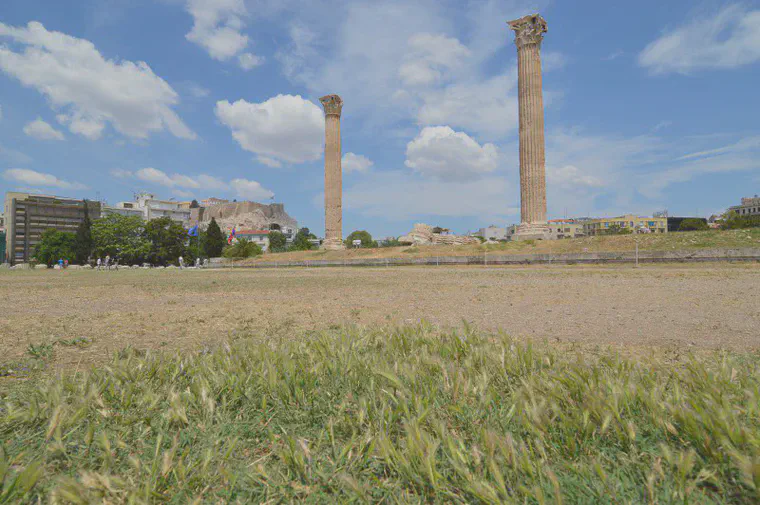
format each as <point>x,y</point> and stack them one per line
<point>130,240</point>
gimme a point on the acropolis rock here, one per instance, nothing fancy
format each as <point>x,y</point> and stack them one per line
<point>244,216</point>
<point>422,234</point>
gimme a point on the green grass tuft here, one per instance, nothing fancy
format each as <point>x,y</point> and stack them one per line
<point>405,415</point>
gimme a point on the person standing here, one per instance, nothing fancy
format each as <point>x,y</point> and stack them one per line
<point>108,261</point>
<point>181,262</point>
<point>98,263</point>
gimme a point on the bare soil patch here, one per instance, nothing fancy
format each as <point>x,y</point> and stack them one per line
<point>677,307</point>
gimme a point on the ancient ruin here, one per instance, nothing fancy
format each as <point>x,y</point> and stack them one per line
<point>529,32</point>
<point>244,216</point>
<point>422,234</point>
<point>333,174</point>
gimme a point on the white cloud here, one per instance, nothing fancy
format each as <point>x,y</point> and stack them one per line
<point>155,176</point>
<point>441,152</point>
<point>429,62</point>
<point>270,162</point>
<point>613,56</point>
<point>187,186</point>
<point>13,156</point>
<point>727,39</point>
<point>120,173</point>
<point>355,163</point>
<point>429,56</point>
<point>33,177</point>
<point>198,91</point>
<point>41,130</point>
<point>217,28</point>
<point>487,107</point>
<point>285,128</point>
<point>571,175</point>
<point>250,190</point>
<point>92,91</point>
<point>248,61</point>
<point>399,195</point>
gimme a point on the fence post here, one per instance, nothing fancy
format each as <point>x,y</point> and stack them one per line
<point>637,254</point>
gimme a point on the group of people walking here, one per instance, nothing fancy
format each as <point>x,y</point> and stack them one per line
<point>106,264</point>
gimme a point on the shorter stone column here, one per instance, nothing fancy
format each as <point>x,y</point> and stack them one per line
<point>333,174</point>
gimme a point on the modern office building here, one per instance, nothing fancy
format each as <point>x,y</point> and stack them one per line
<point>28,216</point>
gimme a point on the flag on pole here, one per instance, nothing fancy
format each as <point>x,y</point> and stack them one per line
<point>193,232</point>
<point>232,235</point>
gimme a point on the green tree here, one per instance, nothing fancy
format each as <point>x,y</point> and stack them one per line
<point>391,242</point>
<point>214,240</point>
<point>55,245</point>
<point>301,240</point>
<point>277,241</point>
<point>734,221</point>
<point>194,204</point>
<point>84,243</point>
<point>693,224</point>
<point>362,235</point>
<point>242,248</point>
<point>168,241</point>
<point>121,237</point>
<point>616,229</point>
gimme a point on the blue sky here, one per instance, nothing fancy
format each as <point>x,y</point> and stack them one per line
<point>649,105</point>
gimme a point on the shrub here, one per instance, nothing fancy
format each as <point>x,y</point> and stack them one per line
<point>242,248</point>
<point>693,224</point>
<point>277,241</point>
<point>362,235</point>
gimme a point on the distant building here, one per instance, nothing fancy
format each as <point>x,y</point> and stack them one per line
<point>259,237</point>
<point>748,207</point>
<point>28,216</point>
<point>492,233</point>
<point>565,228</point>
<point>124,209</point>
<point>2,221</point>
<point>150,207</point>
<point>208,202</point>
<point>601,226</point>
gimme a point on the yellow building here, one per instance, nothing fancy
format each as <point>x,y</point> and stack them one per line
<point>639,224</point>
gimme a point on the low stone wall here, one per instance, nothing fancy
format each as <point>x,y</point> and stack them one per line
<point>744,254</point>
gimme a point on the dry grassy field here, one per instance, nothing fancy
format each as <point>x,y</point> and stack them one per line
<point>86,316</point>
<point>606,384</point>
<point>686,241</point>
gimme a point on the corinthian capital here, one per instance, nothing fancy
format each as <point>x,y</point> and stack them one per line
<point>528,30</point>
<point>332,104</point>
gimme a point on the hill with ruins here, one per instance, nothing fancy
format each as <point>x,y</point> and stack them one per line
<point>244,216</point>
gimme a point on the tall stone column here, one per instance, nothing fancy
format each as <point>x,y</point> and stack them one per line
<point>333,174</point>
<point>529,32</point>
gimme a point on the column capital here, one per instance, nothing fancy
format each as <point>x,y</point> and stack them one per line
<point>528,30</point>
<point>333,105</point>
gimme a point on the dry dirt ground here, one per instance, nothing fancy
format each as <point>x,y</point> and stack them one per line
<point>695,307</point>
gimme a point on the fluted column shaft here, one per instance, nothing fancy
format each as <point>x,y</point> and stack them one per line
<point>532,142</point>
<point>333,173</point>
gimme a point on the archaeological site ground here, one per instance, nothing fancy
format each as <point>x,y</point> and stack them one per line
<point>540,384</point>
